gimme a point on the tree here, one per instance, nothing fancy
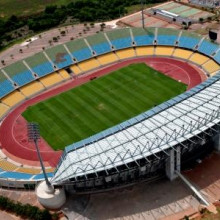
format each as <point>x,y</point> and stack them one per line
<point>55,39</point>
<point>50,42</point>
<point>50,9</point>
<point>102,25</point>
<point>201,19</point>
<point>63,33</point>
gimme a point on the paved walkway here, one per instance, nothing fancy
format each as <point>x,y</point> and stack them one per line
<point>162,200</point>
<point>36,45</point>
<point>8,216</point>
<point>151,201</point>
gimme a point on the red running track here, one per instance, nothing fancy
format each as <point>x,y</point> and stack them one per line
<point>13,133</point>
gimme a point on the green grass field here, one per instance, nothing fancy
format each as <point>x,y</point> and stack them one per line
<point>26,7</point>
<point>101,103</point>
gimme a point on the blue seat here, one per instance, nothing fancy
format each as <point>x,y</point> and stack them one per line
<point>23,78</point>
<point>66,61</point>
<point>122,43</point>
<point>207,48</point>
<point>82,54</point>
<point>41,176</point>
<point>144,40</point>
<point>43,69</point>
<point>166,39</point>
<point>217,57</point>
<point>15,175</point>
<point>188,42</point>
<point>5,88</point>
<point>101,48</point>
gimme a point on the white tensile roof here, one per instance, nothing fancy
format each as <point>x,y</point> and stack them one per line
<point>156,130</point>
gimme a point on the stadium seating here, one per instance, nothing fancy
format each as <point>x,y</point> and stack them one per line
<point>199,59</point>
<point>107,58</point>
<point>217,57</point>
<point>143,36</point>
<point>5,85</point>
<point>7,166</point>
<point>49,170</point>
<point>28,170</point>
<point>145,51</point>
<point>167,36</point>
<point>3,109</point>
<point>19,73</point>
<point>208,48</point>
<point>32,88</point>
<point>211,67</point>
<point>126,53</point>
<point>64,74</point>
<point>59,56</point>
<point>79,49</point>
<point>99,43</point>
<point>188,40</point>
<point>51,79</point>
<point>120,38</point>
<point>13,98</point>
<point>41,176</point>
<point>40,64</point>
<point>82,54</point>
<point>182,54</point>
<point>164,51</point>
<point>15,175</point>
<point>76,69</point>
<point>89,65</point>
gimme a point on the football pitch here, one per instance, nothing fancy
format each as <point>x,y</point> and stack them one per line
<point>101,103</point>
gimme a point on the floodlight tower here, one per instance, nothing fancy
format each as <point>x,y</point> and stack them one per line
<point>142,13</point>
<point>34,136</point>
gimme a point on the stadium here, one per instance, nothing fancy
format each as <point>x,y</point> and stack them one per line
<point>146,132</point>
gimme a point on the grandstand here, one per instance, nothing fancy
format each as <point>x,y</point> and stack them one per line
<point>33,75</point>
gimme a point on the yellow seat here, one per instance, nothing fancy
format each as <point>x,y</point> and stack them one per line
<point>181,53</point>
<point>51,79</point>
<point>64,74</point>
<point>13,98</point>
<point>50,170</point>
<point>164,51</point>
<point>145,51</point>
<point>211,67</point>
<point>89,64</point>
<point>76,70</point>
<point>126,53</point>
<point>198,58</point>
<point>28,170</point>
<point>107,58</point>
<point>32,88</point>
<point>3,109</point>
<point>7,166</point>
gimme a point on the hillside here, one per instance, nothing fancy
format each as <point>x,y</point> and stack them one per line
<point>26,7</point>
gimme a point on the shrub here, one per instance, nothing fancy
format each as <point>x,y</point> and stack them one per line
<point>24,210</point>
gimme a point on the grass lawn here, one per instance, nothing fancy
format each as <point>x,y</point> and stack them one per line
<point>26,7</point>
<point>101,103</point>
